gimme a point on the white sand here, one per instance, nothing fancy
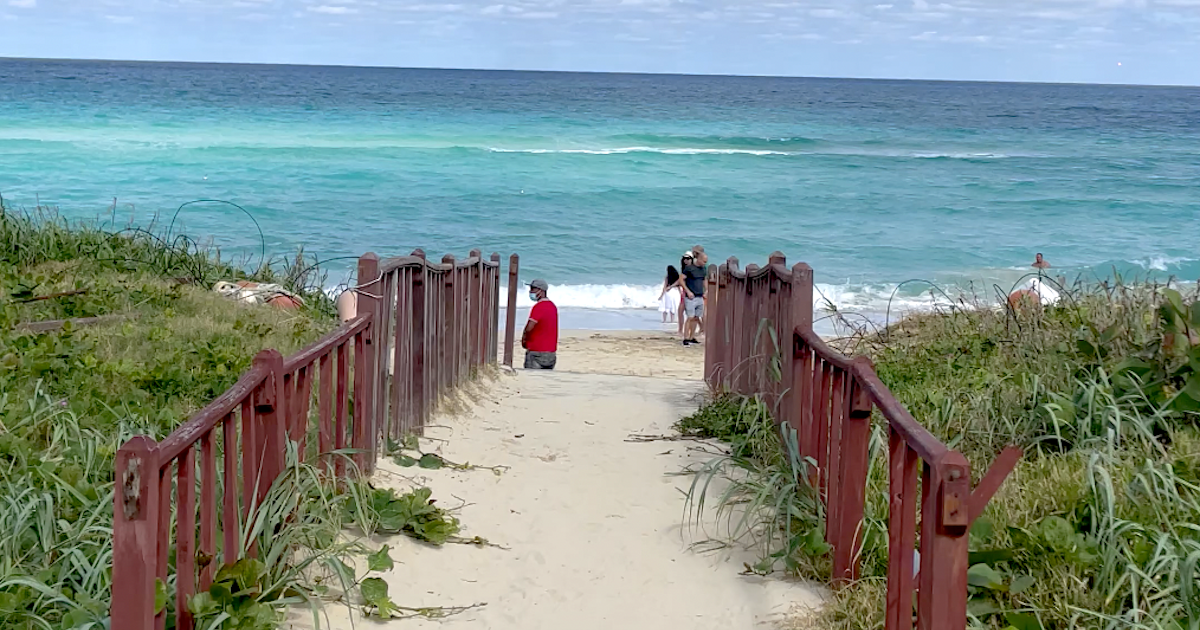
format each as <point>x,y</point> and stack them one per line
<point>593,523</point>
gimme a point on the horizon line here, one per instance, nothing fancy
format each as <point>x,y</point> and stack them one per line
<point>597,72</point>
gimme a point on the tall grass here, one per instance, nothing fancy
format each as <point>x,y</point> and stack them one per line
<point>1098,525</point>
<point>70,397</point>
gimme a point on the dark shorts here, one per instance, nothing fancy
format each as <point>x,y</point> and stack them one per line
<point>540,360</point>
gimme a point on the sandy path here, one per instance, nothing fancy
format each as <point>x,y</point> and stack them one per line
<point>592,523</point>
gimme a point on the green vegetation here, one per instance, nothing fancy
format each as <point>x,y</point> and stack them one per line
<point>1099,526</point>
<point>762,496</point>
<point>165,346</point>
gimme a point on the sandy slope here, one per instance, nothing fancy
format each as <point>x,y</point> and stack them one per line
<point>592,523</point>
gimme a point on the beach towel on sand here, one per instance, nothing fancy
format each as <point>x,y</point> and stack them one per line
<point>258,293</point>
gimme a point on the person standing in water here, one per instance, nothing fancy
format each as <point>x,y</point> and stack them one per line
<point>669,297</point>
<point>1040,263</point>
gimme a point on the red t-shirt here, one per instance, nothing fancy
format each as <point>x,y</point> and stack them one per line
<point>544,336</point>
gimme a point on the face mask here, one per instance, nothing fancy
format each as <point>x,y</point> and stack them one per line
<point>533,296</point>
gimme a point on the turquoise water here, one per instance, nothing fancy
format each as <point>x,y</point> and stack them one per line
<point>600,181</point>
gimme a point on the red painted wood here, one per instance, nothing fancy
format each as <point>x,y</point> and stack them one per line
<point>339,425</point>
<point>208,508</point>
<point>821,417</point>
<point>299,408</point>
<point>902,531</point>
<point>449,344</point>
<point>852,482</point>
<point>398,400</point>
<point>803,384</point>
<point>834,532</point>
<point>229,492</point>
<point>325,409</point>
<point>185,541</point>
<point>942,594</point>
<point>271,415</point>
<point>369,303</point>
<point>249,465</point>
<point>362,378</point>
<point>163,537</point>
<point>419,386</point>
<point>991,481</point>
<point>135,531</point>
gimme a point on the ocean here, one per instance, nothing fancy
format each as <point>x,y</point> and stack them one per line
<point>599,181</point>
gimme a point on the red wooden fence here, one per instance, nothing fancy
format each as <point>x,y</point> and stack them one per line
<point>422,328</point>
<point>759,326</point>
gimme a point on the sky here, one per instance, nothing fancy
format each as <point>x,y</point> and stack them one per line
<point>1086,41</point>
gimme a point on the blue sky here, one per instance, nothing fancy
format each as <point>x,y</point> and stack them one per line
<point>1101,41</point>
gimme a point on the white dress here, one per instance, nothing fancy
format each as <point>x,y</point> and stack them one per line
<point>670,301</point>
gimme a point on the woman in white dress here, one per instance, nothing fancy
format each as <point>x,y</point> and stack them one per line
<point>669,299</point>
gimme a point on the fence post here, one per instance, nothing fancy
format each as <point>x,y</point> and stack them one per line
<point>270,411</point>
<point>449,328</point>
<point>370,301</point>
<point>420,384</point>
<point>493,342</point>
<point>802,296</point>
<point>945,497</point>
<point>856,438</point>
<point>510,326</point>
<point>135,534</point>
<point>712,327</point>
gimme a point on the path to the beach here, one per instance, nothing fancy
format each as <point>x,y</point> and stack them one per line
<point>592,522</point>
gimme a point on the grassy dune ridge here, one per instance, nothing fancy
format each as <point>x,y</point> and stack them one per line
<point>71,396</point>
<point>1098,525</point>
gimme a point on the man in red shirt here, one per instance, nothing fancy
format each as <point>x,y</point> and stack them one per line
<point>540,337</point>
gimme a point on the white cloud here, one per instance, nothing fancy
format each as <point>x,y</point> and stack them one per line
<point>22,4</point>
<point>830,13</point>
<point>332,9</point>
<point>119,19</point>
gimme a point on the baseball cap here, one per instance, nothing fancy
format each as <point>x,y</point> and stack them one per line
<point>688,254</point>
<point>539,284</point>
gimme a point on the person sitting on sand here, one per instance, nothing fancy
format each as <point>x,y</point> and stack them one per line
<point>540,337</point>
<point>668,299</point>
<point>693,290</point>
<point>1040,263</point>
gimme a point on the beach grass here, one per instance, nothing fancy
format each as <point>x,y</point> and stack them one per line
<point>1099,525</point>
<point>160,345</point>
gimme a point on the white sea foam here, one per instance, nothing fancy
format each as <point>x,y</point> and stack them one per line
<point>665,151</point>
<point>842,297</point>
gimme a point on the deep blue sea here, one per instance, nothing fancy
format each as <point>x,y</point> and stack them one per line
<point>600,181</point>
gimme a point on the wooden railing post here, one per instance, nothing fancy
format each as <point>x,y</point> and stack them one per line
<point>270,409</point>
<point>712,326</point>
<point>802,296</point>
<point>510,326</point>
<point>370,302</point>
<point>945,500</point>
<point>852,478</point>
<point>449,329</point>
<point>135,534</point>
<point>420,382</point>
<point>493,340</point>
